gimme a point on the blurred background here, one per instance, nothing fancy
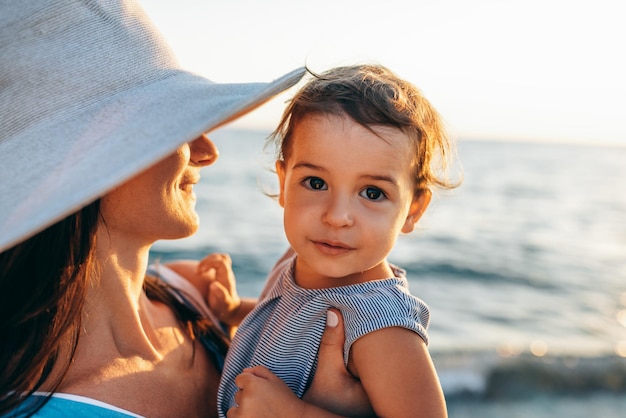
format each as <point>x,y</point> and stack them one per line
<point>496,69</point>
<point>524,265</point>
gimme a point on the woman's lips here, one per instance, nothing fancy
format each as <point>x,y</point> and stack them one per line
<point>187,185</point>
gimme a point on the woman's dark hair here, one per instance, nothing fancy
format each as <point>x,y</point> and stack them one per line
<point>43,282</point>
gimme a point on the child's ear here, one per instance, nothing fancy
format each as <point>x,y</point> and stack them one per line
<point>417,209</point>
<point>280,170</point>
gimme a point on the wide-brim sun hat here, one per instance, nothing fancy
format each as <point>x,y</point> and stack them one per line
<point>90,95</point>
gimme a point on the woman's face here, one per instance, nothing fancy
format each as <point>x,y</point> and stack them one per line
<point>159,203</point>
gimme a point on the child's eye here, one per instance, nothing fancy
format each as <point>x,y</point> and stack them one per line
<point>373,193</point>
<point>315,183</point>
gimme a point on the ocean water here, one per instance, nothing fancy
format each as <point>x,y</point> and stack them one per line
<point>523,267</point>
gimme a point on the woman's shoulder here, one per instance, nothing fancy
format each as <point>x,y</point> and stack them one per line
<point>66,405</point>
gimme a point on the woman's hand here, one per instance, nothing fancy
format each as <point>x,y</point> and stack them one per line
<point>333,387</point>
<point>263,394</point>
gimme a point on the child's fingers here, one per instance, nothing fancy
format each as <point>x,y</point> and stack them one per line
<point>214,261</point>
<point>221,264</point>
<point>218,267</point>
<point>221,295</point>
<point>257,371</point>
<point>218,297</point>
<point>224,302</point>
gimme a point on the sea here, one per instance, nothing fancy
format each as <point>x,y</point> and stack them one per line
<point>523,267</point>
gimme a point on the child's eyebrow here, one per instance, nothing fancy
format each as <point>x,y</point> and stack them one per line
<point>387,179</point>
<point>304,164</point>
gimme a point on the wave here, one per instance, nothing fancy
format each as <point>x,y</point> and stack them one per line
<point>483,274</point>
<point>487,376</point>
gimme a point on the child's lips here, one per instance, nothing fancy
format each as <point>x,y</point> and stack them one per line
<point>332,247</point>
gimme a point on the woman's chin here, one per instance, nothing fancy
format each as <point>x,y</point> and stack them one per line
<point>180,231</point>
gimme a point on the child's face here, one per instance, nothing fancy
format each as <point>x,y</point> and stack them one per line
<point>347,195</point>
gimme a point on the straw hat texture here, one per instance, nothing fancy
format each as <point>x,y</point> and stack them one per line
<point>90,95</point>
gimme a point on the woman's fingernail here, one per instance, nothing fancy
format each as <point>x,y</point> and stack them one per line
<point>331,319</point>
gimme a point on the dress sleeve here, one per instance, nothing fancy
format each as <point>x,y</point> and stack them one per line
<point>272,278</point>
<point>381,307</point>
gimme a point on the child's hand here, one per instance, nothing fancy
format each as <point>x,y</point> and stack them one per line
<point>222,295</point>
<point>263,394</point>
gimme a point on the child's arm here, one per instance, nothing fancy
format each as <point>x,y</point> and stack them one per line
<point>214,278</point>
<point>222,294</point>
<point>263,394</point>
<point>397,374</point>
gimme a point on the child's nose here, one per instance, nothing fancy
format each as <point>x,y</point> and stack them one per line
<point>338,213</point>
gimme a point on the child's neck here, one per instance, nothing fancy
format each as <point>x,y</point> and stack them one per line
<point>306,278</point>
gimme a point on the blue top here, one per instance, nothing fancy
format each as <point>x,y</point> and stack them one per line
<point>283,332</point>
<point>64,405</point>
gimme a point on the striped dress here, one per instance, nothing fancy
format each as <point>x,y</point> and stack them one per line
<point>283,332</point>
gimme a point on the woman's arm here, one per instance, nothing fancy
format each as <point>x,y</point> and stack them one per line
<point>397,373</point>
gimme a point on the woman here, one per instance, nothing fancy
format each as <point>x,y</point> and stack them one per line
<point>101,142</point>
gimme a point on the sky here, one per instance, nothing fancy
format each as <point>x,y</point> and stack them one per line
<point>539,70</point>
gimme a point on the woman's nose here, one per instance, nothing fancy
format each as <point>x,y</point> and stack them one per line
<point>203,151</point>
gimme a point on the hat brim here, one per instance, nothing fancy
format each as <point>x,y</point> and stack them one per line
<point>110,142</point>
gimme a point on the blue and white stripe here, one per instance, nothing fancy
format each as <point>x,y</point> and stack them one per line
<point>283,332</point>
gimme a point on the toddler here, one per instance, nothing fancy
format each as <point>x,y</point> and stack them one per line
<point>359,151</point>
